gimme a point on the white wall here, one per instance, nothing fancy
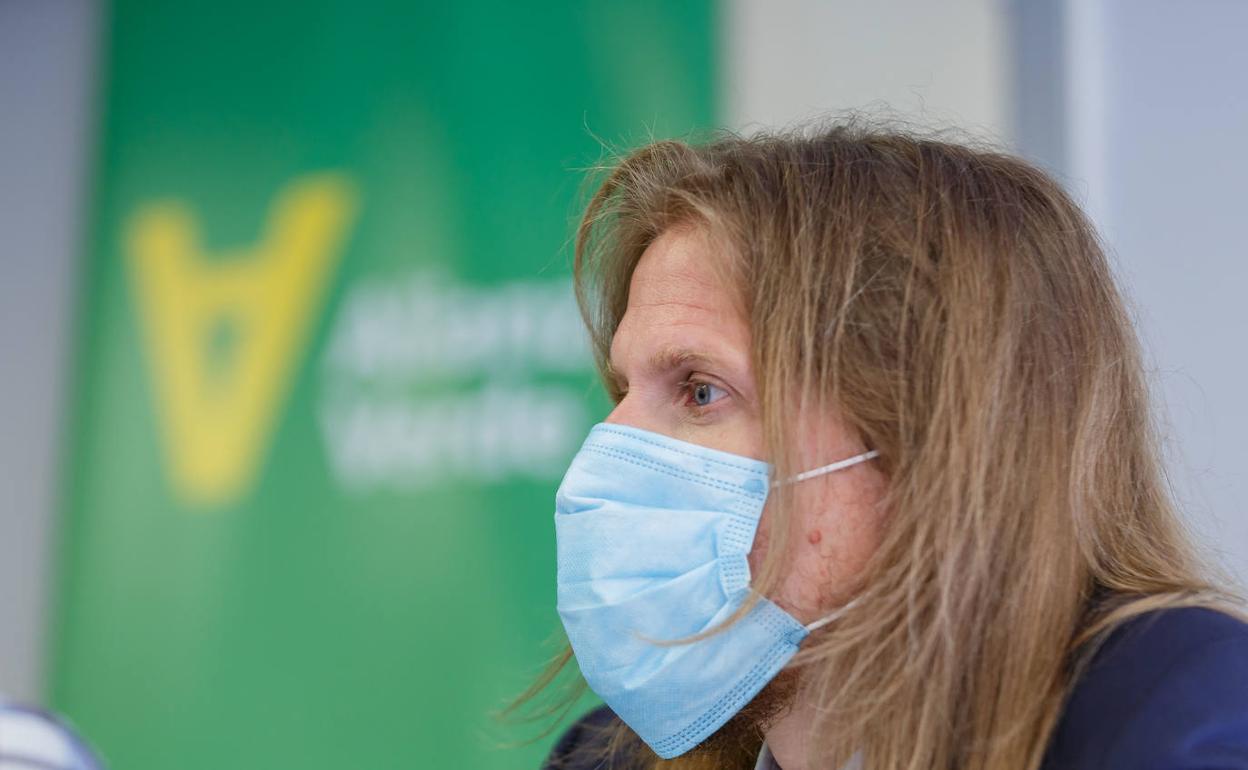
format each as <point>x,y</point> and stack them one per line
<point>1157,118</point>
<point>940,63</point>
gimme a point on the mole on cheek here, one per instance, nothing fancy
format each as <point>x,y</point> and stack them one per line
<point>814,537</point>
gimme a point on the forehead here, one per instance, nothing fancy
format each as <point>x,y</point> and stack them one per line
<point>678,275</point>
<point>680,295</point>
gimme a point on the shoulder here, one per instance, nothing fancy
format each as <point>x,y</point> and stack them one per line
<point>1168,689</point>
<point>580,748</point>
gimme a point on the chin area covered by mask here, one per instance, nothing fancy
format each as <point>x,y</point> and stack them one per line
<point>653,536</point>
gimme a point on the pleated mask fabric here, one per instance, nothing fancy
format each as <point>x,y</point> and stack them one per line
<point>652,536</point>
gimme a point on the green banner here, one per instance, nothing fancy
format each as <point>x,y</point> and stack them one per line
<point>329,369</point>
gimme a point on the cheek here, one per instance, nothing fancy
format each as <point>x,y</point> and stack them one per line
<point>830,543</point>
<point>821,553</point>
<point>836,544</point>
<point>762,537</point>
<point>812,551</point>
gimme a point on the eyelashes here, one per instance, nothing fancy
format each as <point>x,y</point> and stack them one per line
<point>696,395</point>
<point>699,395</point>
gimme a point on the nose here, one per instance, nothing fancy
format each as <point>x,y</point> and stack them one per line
<point>619,415</point>
<point>631,412</point>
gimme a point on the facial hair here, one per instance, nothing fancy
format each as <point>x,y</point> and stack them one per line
<point>738,742</point>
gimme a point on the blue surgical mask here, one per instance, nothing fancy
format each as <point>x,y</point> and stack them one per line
<point>653,535</point>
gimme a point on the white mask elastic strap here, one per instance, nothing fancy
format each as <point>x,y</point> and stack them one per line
<point>826,619</point>
<point>836,466</point>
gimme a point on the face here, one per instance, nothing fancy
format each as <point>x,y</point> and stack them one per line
<point>681,359</point>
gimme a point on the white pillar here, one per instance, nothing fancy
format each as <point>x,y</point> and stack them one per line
<point>46,76</point>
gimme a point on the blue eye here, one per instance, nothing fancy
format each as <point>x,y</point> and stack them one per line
<point>704,393</point>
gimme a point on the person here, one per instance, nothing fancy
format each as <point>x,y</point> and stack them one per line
<point>34,739</point>
<point>880,488</point>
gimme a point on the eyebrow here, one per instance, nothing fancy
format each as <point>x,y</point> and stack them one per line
<point>662,360</point>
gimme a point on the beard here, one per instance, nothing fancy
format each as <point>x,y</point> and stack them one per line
<point>740,739</point>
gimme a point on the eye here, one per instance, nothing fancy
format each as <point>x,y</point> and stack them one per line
<point>702,394</point>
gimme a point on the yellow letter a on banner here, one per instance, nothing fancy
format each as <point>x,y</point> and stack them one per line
<point>223,333</point>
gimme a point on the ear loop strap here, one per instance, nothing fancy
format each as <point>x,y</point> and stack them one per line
<point>826,619</point>
<point>820,471</point>
<point>825,469</point>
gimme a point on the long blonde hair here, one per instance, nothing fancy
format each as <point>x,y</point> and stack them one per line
<point>955,307</point>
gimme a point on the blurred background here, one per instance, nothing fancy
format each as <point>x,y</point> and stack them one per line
<point>290,362</point>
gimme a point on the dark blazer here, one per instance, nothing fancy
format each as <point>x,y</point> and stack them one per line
<point>1167,691</point>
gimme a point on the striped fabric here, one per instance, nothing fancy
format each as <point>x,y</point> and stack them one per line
<point>32,739</point>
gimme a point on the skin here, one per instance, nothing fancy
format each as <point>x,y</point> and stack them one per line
<point>681,359</point>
